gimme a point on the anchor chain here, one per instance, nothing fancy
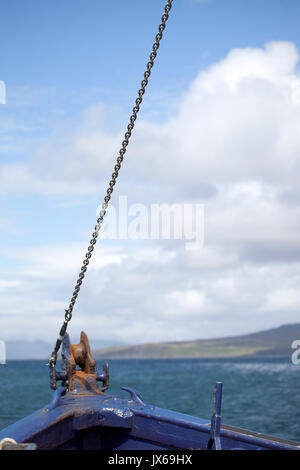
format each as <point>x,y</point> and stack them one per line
<point>109,191</point>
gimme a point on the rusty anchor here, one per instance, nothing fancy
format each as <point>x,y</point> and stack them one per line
<point>78,370</point>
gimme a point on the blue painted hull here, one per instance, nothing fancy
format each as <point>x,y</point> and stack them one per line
<point>100,422</point>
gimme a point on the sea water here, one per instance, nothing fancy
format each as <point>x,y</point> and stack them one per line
<point>260,394</point>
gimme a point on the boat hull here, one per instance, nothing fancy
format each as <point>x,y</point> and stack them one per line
<point>100,422</point>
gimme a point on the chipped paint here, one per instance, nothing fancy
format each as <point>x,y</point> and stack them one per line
<point>122,413</point>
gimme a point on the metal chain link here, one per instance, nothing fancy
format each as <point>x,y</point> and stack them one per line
<point>109,191</point>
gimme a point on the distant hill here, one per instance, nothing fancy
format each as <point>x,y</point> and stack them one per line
<point>276,341</point>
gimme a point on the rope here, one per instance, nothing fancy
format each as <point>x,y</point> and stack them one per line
<point>6,440</point>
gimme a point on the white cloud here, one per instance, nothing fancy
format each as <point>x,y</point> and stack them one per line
<point>234,144</point>
<point>136,295</point>
<point>282,299</point>
<point>190,301</point>
<point>239,120</point>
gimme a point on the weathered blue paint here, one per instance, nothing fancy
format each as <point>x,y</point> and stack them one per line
<point>80,416</point>
<point>134,395</point>
<point>56,397</point>
<point>215,425</point>
<point>90,421</point>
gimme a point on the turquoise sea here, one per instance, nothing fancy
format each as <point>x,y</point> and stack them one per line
<point>261,394</point>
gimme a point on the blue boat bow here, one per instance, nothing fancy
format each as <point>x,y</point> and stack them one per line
<point>81,417</point>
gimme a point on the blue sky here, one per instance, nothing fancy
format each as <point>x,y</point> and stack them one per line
<point>71,71</point>
<point>59,58</point>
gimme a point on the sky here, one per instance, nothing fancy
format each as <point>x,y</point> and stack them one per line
<point>219,126</point>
